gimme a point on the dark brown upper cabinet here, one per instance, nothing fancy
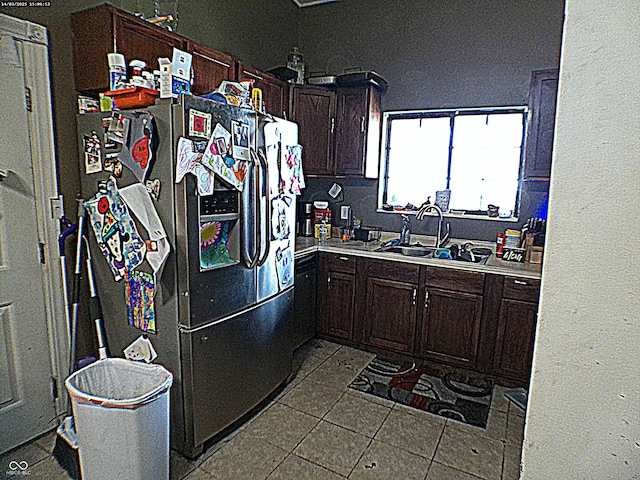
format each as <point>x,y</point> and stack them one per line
<point>210,68</point>
<point>106,29</point>
<point>339,128</point>
<point>543,94</point>
<point>275,93</point>
<point>314,110</point>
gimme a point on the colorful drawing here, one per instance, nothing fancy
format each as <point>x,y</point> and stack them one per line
<point>199,124</point>
<point>218,159</point>
<point>92,156</point>
<point>186,159</point>
<point>214,245</point>
<point>284,265</point>
<point>279,220</point>
<point>139,292</point>
<point>115,231</point>
<point>291,169</point>
<point>137,152</point>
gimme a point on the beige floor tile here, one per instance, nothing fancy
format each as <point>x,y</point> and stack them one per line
<point>357,414</point>
<point>438,471</point>
<point>498,400</point>
<point>352,358</point>
<point>179,466</point>
<point>244,458</point>
<point>515,428</point>
<point>294,467</point>
<point>471,453</point>
<point>47,441</point>
<point>511,464</point>
<point>496,426</point>
<point>372,398</point>
<point>199,474</point>
<point>47,469</point>
<point>417,434</point>
<point>332,374</point>
<point>382,461</point>
<point>282,426</point>
<point>333,447</point>
<point>312,398</point>
<point>30,453</point>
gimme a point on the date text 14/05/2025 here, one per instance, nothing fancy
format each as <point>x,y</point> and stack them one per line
<point>24,4</point>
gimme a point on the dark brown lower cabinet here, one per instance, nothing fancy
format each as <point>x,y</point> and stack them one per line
<point>337,294</point>
<point>389,316</point>
<point>515,337</point>
<point>451,326</point>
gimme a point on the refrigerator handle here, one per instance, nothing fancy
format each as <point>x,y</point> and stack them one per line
<point>266,231</point>
<point>251,259</point>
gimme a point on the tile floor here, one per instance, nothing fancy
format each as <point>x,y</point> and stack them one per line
<point>317,428</point>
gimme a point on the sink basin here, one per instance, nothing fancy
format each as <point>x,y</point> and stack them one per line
<point>409,250</point>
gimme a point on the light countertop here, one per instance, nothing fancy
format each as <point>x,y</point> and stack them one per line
<point>309,245</point>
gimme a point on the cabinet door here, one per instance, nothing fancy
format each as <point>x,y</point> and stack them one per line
<point>338,305</point>
<point>542,110</point>
<point>357,131</point>
<point>210,68</point>
<point>515,339</point>
<point>275,93</point>
<point>391,314</point>
<point>451,326</point>
<point>313,109</point>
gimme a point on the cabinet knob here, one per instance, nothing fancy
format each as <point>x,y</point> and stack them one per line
<point>362,125</point>
<point>426,299</point>
<point>520,282</point>
<point>346,259</point>
<point>415,294</point>
<point>333,124</point>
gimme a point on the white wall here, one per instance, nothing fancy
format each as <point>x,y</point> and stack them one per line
<point>584,412</point>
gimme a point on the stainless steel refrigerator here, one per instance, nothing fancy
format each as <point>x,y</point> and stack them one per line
<point>222,327</point>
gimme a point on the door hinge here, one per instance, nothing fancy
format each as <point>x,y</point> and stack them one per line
<point>43,257</point>
<point>56,204</point>
<point>27,98</point>
<point>54,388</point>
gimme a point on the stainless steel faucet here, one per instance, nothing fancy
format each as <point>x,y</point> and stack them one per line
<point>405,234</point>
<point>423,211</point>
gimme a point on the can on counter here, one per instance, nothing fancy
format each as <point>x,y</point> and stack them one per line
<point>500,244</point>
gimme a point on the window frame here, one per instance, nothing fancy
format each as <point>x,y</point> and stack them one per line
<point>387,120</point>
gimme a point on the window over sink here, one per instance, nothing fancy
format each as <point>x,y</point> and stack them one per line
<point>474,156</point>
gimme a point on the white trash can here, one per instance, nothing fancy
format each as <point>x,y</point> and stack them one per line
<point>121,416</point>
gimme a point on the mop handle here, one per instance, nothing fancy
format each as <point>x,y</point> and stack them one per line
<point>94,306</point>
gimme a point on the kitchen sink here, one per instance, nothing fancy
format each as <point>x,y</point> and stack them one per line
<point>410,250</point>
<point>480,255</point>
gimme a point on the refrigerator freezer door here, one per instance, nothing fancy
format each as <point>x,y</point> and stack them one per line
<point>234,365</point>
<point>276,272</point>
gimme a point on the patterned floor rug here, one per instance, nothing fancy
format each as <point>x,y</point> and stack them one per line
<point>440,391</point>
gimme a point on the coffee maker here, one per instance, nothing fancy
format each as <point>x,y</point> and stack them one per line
<point>305,225</point>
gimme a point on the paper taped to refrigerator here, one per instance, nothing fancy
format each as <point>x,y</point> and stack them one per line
<point>137,152</point>
<point>139,293</point>
<point>219,158</point>
<point>137,197</point>
<point>115,230</point>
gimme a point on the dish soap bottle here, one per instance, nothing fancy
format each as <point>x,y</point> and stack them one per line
<point>323,233</point>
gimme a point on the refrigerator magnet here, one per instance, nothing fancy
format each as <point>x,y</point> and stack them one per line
<point>92,158</point>
<point>112,164</point>
<point>240,138</point>
<point>199,124</point>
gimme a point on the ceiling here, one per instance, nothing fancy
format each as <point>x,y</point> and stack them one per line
<point>310,3</point>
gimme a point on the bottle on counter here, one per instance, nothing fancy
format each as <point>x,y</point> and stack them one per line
<point>500,244</point>
<point>323,233</point>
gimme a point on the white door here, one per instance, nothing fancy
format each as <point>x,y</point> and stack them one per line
<point>27,404</point>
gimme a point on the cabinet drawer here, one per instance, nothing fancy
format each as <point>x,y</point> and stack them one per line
<point>525,289</point>
<point>334,262</point>
<point>457,280</point>
<point>401,272</point>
